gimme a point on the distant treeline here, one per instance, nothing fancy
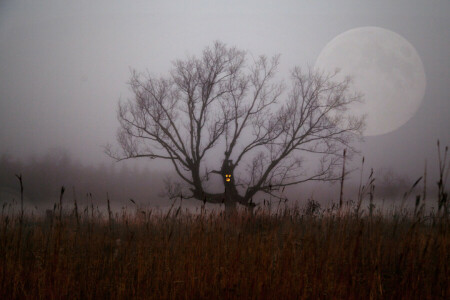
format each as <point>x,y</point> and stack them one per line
<point>44,176</point>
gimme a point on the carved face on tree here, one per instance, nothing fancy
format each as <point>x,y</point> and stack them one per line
<point>227,177</point>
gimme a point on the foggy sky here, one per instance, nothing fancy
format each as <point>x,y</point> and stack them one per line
<point>64,65</point>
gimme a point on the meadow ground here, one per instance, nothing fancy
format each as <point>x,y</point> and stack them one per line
<point>293,254</point>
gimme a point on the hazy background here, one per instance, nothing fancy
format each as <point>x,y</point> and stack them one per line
<point>64,66</point>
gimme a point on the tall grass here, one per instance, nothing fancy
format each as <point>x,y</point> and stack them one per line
<point>339,253</point>
<point>214,256</point>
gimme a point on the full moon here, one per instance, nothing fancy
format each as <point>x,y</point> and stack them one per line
<point>385,68</point>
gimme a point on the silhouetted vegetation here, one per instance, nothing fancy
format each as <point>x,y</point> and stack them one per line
<point>214,256</point>
<point>341,252</point>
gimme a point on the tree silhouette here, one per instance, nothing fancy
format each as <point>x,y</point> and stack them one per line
<point>223,100</point>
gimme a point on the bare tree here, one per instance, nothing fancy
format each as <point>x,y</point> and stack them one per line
<point>223,101</point>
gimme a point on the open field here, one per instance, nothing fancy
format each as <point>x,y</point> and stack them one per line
<point>295,254</point>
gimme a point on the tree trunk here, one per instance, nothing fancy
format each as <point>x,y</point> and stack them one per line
<point>230,207</point>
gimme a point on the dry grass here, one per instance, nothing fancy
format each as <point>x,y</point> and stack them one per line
<point>179,256</point>
<point>339,253</point>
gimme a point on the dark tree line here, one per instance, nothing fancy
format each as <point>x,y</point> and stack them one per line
<point>44,176</point>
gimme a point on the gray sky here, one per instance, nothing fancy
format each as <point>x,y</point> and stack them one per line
<point>64,65</point>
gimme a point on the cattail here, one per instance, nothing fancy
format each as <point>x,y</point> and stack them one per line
<point>76,207</point>
<point>342,180</point>
<point>19,177</point>
<point>109,212</point>
<point>60,203</point>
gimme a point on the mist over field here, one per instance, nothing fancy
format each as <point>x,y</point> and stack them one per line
<point>44,176</point>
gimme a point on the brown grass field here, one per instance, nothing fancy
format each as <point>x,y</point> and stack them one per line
<point>293,254</point>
